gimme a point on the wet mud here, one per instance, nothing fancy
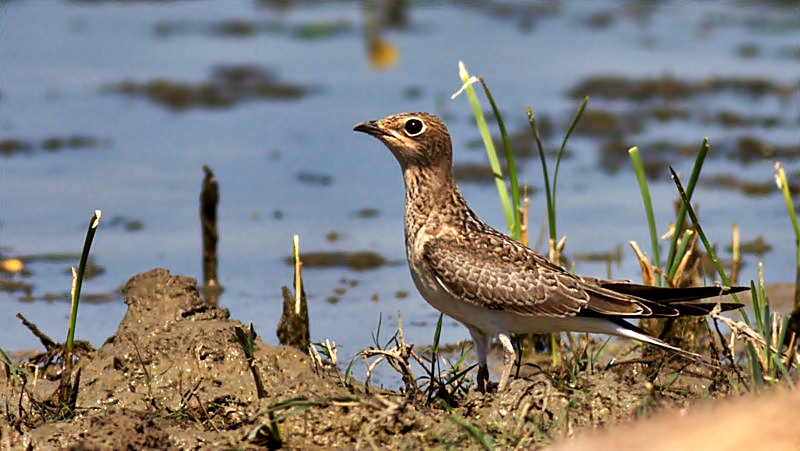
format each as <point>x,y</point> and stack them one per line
<point>174,376</point>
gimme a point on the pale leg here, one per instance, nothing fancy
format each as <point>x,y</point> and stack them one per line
<point>508,360</point>
<point>481,341</point>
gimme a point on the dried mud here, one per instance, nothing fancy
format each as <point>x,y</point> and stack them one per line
<point>173,376</point>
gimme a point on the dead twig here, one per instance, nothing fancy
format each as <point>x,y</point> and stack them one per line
<point>742,331</point>
<point>398,357</point>
<point>46,341</point>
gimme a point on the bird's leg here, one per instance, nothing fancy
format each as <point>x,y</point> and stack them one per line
<point>508,360</point>
<point>483,378</point>
<point>481,341</point>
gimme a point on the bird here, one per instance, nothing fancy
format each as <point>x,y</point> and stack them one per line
<point>495,285</point>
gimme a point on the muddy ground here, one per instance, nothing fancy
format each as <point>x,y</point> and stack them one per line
<point>173,376</point>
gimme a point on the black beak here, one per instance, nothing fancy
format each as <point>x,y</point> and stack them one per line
<point>369,127</point>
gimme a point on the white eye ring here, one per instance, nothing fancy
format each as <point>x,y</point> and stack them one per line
<point>414,126</point>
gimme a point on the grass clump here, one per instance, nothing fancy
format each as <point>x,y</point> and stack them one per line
<point>685,233</point>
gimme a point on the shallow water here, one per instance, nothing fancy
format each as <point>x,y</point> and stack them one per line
<point>294,166</point>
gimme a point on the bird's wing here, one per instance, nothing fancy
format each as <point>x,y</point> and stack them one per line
<point>509,276</point>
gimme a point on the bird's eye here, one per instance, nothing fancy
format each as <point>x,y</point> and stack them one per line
<point>414,127</point>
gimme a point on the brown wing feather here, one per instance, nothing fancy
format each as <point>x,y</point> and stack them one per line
<point>513,277</point>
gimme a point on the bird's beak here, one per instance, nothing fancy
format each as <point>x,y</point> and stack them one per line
<point>369,127</point>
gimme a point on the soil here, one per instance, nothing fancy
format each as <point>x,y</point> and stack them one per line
<point>174,376</point>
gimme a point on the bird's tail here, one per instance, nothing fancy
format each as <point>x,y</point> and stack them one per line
<point>628,330</point>
<point>671,302</point>
<point>670,295</point>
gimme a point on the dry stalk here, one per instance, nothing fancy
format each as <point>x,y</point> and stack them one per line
<point>736,252</point>
<point>666,277</point>
<point>741,330</point>
<point>370,366</point>
<point>686,257</point>
<point>332,351</point>
<point>648,272</point>
<point>556,249</point>
<point>320,366</point>
<point>398,357</point>
<point>298,278</point>
<point>316,360</point>
<point>523,223</point>
<point>560,247</point>
<point>669,233</point>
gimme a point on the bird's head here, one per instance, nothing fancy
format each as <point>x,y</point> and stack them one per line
<point>417,140</point>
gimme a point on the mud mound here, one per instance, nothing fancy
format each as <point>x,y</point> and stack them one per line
<point>174,376</point>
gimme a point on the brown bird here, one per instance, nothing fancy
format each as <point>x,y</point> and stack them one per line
<point>490,282</point>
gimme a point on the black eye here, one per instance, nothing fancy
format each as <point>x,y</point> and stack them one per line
<point>414,127</point>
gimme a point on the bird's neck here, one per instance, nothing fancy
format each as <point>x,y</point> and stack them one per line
<point>430,192</point>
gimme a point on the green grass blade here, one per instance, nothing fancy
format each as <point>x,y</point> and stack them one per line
<point>12,370</point>
<point>770,369</point>
<point>376,336</point>
<point>350,364</point>
<point>551,210</point>
<point>551,217</point>
<point>783,185</point>
<point>644,189</point>
<point>710,250</point>
<point>696,222</point>
<point>671,263</point>
<point>757,308</point>
<point>787,377</point>
<point>550,190</point>
<point>491,152</point>
<point>755,367</point>
<point>516,230</point>
<point>481,437</point>
<point>76,292</point>
<point>784,327</point>
<point>680,252</point>
<point>437,334</point>
<point>561,149</point>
